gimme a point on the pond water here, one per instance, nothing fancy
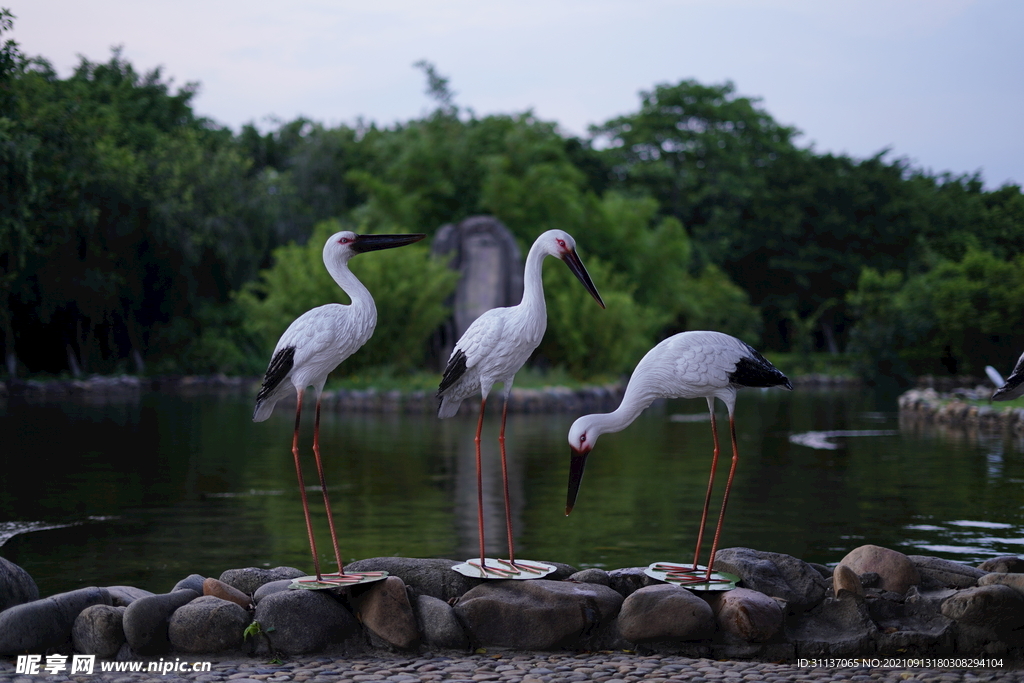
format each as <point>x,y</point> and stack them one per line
<point>146,491</point>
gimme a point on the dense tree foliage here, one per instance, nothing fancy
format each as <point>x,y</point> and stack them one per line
<point>136,235</point>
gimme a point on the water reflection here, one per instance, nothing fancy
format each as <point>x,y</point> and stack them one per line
<point>163,486</point>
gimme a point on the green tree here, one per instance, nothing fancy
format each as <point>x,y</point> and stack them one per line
<point>17,189</point>
<point>952,319</point>
<point>143,215</point>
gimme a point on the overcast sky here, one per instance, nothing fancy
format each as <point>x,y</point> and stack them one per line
<point>939,81</point>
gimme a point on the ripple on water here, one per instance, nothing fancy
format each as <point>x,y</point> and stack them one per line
<point>9,530</point>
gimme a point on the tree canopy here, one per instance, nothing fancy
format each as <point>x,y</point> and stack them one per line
<point>136,235</point>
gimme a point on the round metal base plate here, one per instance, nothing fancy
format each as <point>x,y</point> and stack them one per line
<point>696,580</point>
<point>503,569</point>
<point>311,583</point>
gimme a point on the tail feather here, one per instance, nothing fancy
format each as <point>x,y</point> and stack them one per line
<point>264,407</point>
<point>448,407</point>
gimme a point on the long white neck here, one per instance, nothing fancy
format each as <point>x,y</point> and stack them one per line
<point>362,302</point>
<point>533,282</point>
<point>632,405</point>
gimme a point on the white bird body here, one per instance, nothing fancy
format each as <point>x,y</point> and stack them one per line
<point>322,338</point>
<point>696,364</point>
<point>688,365</point>
<point>498,343</point>
<point>313,345</point>
<point>495,347</point>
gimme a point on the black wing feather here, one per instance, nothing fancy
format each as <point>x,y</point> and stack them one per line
<point>455,369</point>
<point>757,371</point>
<point>280,365</point>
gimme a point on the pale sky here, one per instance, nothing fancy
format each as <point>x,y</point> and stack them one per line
<point>941,82</point>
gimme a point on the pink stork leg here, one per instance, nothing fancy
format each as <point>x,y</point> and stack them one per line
<point>504,481</point>
<point>480,483</point>
<point>323,488</point>
<point>725,498</point>
<point>711,483</point>
<point>302,487</point>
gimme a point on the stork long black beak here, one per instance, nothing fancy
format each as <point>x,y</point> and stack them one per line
<point>577,461</point>
<point>576,266</point>
<point>365,243</point>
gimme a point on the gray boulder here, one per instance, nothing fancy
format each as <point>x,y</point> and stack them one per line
<point>298,622</point>
<point>988,618</point>
<point>207,624</point>
<point>42,624</point>
<point>939,573</point>
<point>272,587</point>
<point>99,630</point>
<point>385,611</point>
<point>897,572</point>
<point>438,624</point>
<point>16,586</point>
<point>835,627</point>
<point>592,575</point>
<point>1013,580</point>
<point>122,596</point>
<point>775,574</point>
<point>219,589</point>
<point>665,612</point>
<point>746,615</point>
<point>628,580</point>
<point>535,615</point>
<point>913,626</point>
<point>249,579</point>
<point>996,606</point>
<point>146,620</point>
<point>193,582</point>
<point>433,577</point>
<point>1006,564</point>
<point>845,579</point>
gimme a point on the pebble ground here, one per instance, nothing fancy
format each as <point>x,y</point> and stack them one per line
<point>525,667</point>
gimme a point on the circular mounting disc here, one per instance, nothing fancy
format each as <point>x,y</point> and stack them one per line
<point>504,569</point>
<point>311,583</point>
<point>686,576</point>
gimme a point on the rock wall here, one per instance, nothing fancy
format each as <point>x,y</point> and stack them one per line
<point>876,601</point>
<point>956,412</point>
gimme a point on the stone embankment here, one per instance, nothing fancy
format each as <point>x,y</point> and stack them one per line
<point>875,603</point>
<point>549,399</point>
<point>594,398</point>
<point>958,410</point>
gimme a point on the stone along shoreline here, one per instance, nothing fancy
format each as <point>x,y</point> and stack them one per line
<point>875,604</point>
<point>591,398</point>
<point>959,410</point>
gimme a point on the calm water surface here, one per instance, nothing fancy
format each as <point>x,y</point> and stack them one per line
<point>153,489</point>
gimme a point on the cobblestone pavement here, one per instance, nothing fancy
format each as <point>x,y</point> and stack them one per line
<point>526,667</point>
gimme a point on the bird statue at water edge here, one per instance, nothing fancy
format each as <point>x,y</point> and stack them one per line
<point>1014,386</point>
<point>687,365</point>
<point>312,346</point>
<point>492,350</point>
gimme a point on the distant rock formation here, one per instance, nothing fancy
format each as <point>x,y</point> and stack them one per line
<point>484,251</point>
